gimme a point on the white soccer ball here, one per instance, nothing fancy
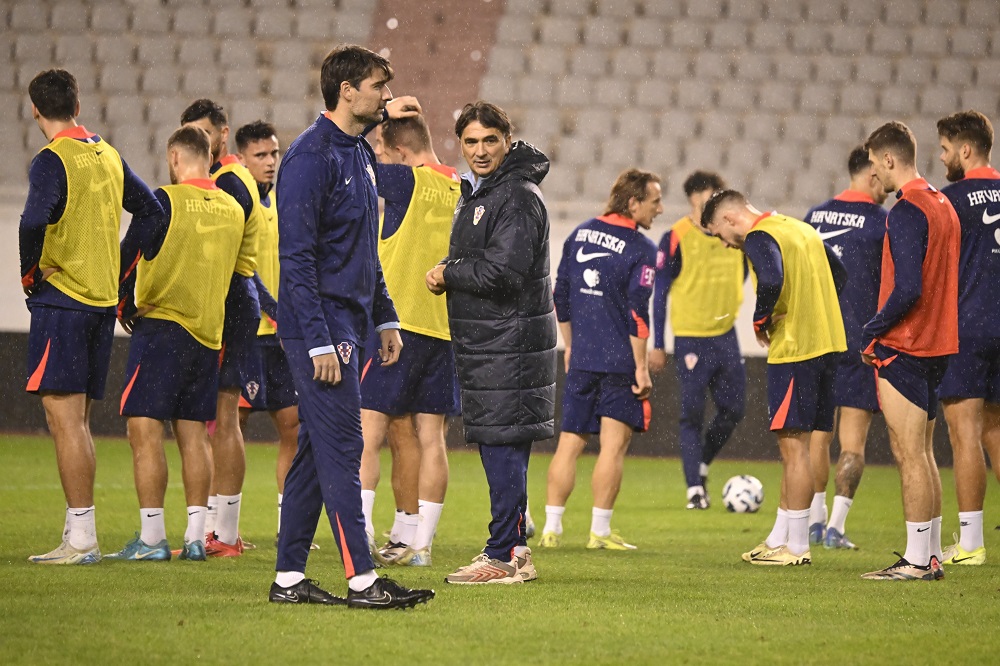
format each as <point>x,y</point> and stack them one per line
<point>743,494</point>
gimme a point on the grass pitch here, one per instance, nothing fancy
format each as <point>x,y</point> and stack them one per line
<point>683,597</point>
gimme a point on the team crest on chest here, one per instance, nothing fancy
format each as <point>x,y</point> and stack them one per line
<point>371,174</point>
<point>477,214</point>
<point>345,349</point>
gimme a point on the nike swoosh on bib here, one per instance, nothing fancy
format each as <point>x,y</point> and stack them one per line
<point>583,257</point>
<point>990,219</point>
<point>830,234</point>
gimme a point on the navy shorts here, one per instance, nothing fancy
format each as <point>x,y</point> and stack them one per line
<point>69,351</point>
<point>800,394</point>
<point>589,396</point>
<point>974,372</point>
<point>276,389</point>
<point>856,384</point>
<point>169,375</point>
<point>422,381</point>
<point>916,377</point>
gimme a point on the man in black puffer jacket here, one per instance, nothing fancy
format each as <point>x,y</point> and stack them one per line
<point>503,326</point>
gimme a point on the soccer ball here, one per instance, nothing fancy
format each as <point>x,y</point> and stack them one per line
<point>743,494</point>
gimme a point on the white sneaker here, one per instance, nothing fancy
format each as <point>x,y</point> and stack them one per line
<point>484,571</point>
<point>525,567</point>
<point>67,554</point>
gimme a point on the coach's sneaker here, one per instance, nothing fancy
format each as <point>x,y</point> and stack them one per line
<point>816,533</point>
<point>760,548</point>
<point>136,550</point>
<point>781,557</point>
<point>306,591</point>
<point>194,551</point>
<point>67,554</point>
<point>613,541</point>
<point>386,593</point>
<point>525,567</point>
<point>414,558</point>
<point>903,570</point>
<point>955,554</point>
<point>485,571</point>
<point>216,548</point>
<point>834,539</point>
<point>391,551</point>
<point>550,540</point>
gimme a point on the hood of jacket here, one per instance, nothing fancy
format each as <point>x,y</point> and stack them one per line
<point>523,162</point>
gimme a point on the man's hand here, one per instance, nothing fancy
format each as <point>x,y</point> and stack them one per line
<point>657,360</point>
<point>46,274</point>
<point>128,323</point>
<point>392,344</point>
<point>435,280</point>
<point>643,384</point>
<point>326,369</point>
<point>763,333</point>
<point>403,107</point>
<point>566,356</point>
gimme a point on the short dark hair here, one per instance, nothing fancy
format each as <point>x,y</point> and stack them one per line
<point>699,181</point>
<point>55,93</point>
<point>969,127</point>
<point>488,115</point>
<point>897,139</point>
<point>349,63</point>
<point>858,161</point>
<point>205,108</point>
<point>192,138</point>
<point>630,184</point>
<point>718,200</point>
<point>411,132</point>
<point>258,130</point>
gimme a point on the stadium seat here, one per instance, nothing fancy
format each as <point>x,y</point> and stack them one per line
<point>988,75</point>
<point>862,13</point>
<point>686,33</point>
<point>702,153</point>
<point>559,30</point>
<point>954,71</point>
<point>509,60</point>
<point>828,158</point>
<point>235,53</point>
<point>810,38</point>
<point>115,51</point>
<point>156,51</point>
<point>73,48</point>
<point>570,8</point>
<point>523,6</point>
<point>354,6</point>
<point>653,93</point>
<point>603,31</point>
<point>768,35</point>
<point>8,75</point>
<point>888,40</point>
<point>232,22</point>
<point>938,100</point>
<point>153,20</point>
<point>201,81</point>
<point>858,98</point>
<point>597,182</point>
<point>562,182</point>
<point>660,153</point>
<point>812,190</point>
<point>68,16</point>
<point>29,17</point>
<point>314,23</point>
<point>692,94</point>
<point>736,97</point>
<point>573,90</point>
<point>534,87</point>
<point>118,78</point>
<point>762,127</point>
<point>636,122</point>
<point>801,128</point>
<point>192,21</point>
<point>750,11</point>
<point>125,109</point>
<point>594,122</point>
<point>87,75</point>
<point>817,98</point>
<point>131,140</point>
<point>33,47</point>
<point>630,63</point>
<point>678,124</point>
<point>787,11</point>
<point>872,69</point>
<point>292,116</point>
<point>843,129</point>
<point>536,122</point>
<point>903,13</point>
<point>247,83</point>
<point>671,64</point>
<point>928,41</point>
<point>832,69</point>
<point>500,89</point>
<point>776,96</point>
<point>111,18</point>
<point>589,61</point>
<point>243,111</point>
<point>721,125</point>
<point>794,69</point>
<point>769,188</point>
<point>542,59</point>
<point>745,155</point>
<point>618,8</point>
<point>161,80</point>
<point>945,12</point>
<point>848,40</point>
<point>971,42</point>
<point>711,10</point>
<point>515,29</point>
<point>714,65</point>
<point>293,83</point>
<point>980,12</point>
<point>663,10</point>
<point>196,53</point>
<point>619,153</point>
<point>918,71</point>
<point>825,11</point>
<point>272,23</point>
<point>728,36</point>
<point>754,67</point>
<point>645,33</point>
<point>576,149</point>
<point>984,101</point>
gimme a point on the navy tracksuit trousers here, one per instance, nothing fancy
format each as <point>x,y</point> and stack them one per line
<point>326,467</point>
<point>506,467</point>
<point>708,365</point>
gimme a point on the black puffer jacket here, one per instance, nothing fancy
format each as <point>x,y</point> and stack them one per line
<point>503,325</point>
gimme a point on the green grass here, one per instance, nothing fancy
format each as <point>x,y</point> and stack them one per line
<point>683,597</point>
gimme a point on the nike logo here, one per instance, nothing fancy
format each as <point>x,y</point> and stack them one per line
<point>232,503</point>
<point>207,198</point>
<point>84,513</point>
<point>191,513</point>
<point>348,181</point>
<point>98,152</point>
<point>292,596</point>
<point>956,560</point>
<point>990,219</point>
<point>965,524</point>
<point>922,530</point>
<point>583,257</point>
<point>153,515</point>
<point>830,234</point>
<point>202,228</point>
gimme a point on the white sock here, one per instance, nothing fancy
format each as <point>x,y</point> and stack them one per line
<point>817,510</point>
<point>227,522</point>
<point>798,531</point>
<point>695,490</point>
<point>80,530</point>
<point>430,514</point>
<point>196,524</point>
<point>841,505</point>
<point>553,519</point>
<point>397,526</point>
<point>289,578</point>
<point>936,549</point>
<point>409,529</point>
<point>918,543</point>
<point>213,509</point>
<point>779,533</point>
<point>600,521</point>
<point>154,530</point>
<point>362,581</point>
<point>703,470</point>
<point>971,526</point>
<point>367,507</point>
<point>280,497</point>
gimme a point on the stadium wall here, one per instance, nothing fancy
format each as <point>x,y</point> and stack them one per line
<point>23,413</point>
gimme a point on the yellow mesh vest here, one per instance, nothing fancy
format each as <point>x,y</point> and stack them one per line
<point>83,244</point>
<point>267,257</point>
<point>812,325</point>
<point>188,279</point>
<point>420,242</point>
<point>247,264</point>
<point>706,296</point>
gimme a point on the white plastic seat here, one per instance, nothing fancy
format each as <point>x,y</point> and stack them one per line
<point>273,22</point>
<point>678,124</point>
<point>646,33</point>
<point>559,30</point>
<point>110,17</point>
<point>938,100</point>
<point>817,98</point>
<point>232,22</point>
<point>970,42</point>
<point>844,130</point>
<point>858,98</point>
<point>686,33</point>
<point>119,78</point>
<point>201,81</point>
<point>847,39</point>
<point>888,40</point>
<point>897,101</point>
<point>589,61</point>
<point>197,53</point>
<point>801,128</point>
<point>945,12</point>
<point>568,8</point>
<point>832,69</point>
<point>794,69</point>
<point>125,109</point>
<point>713,65</point>
<point>573,90</point>
<point>155,19</point>
<point>161,80</point>
<point>653,93</point>
<point>872,69</point>
<point>825,11</point>
<point>706,9</point>
<point>931,41</point>
<point>72,49</point>
<point>542,59</point>
<point>954,71</point>
<point>630,63</point>
<point>29,17</point>
<point>505,59</point>
<point>721,125</point>
<point>247,83</point>
<point>314,23</point>
<point>603,31</point>
<point>156,51</point>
